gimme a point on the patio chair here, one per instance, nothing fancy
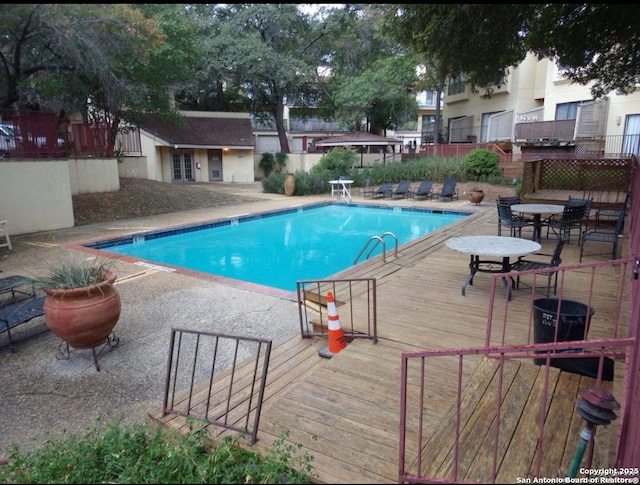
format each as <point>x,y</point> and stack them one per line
<point>320,186</point>
<point>570,219</point>
<point>524,264</point>
<point>424,190</point>
<point>5,233</point>
<point>367,188</point>
<point>604,233</point>
<point>512,200</point>
<point>385,190</point>
<point>448,190</point>
<point>585,218</point>
<point>402,190</point>
<point>506,218</point>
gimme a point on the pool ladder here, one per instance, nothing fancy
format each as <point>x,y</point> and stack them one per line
<point>378,240</point>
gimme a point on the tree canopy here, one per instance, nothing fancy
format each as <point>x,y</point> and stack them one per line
<point>354,63</point>
<point>593,43</point>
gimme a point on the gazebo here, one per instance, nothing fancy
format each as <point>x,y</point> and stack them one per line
<point>360,140</point>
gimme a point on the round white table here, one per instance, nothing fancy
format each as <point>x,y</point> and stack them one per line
<point>537,210</point>
<point>492,247</point>
<point>341,188</point>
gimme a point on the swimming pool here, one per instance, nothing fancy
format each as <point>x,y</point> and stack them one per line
<point>277,249</point>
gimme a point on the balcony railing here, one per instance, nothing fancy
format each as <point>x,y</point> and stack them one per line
<point>26,134</point>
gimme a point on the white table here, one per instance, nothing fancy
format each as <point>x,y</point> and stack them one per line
<point>537,210</point>
<point>492,247</point>
<point>341,188</point>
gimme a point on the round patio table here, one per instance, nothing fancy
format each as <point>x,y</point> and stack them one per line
<point>492,247</point>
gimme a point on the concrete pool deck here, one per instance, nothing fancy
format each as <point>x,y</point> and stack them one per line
<point>41,394</point>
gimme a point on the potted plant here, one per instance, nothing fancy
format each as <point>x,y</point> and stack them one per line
<point>82,306</point>
<point>476,196</point>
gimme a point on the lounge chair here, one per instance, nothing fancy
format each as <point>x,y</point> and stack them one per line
<point>424,190</point>
<point>448,190</point>
<point>367,188</point>
<point>402,190</point>
<point>385,190</point>
<point>21,311</point>
<point>15,284</point>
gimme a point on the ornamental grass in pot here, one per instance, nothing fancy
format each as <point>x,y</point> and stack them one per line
<point>82,305</point>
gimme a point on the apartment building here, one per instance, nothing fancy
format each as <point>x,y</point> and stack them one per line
<point>537,110</point>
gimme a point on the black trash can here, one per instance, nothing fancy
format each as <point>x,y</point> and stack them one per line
<point>571,320</point>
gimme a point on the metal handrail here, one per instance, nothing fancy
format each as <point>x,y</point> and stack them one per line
<point>379,240</point>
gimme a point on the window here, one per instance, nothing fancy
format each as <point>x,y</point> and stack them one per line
<point>456,85</point>
<point>567,111</point>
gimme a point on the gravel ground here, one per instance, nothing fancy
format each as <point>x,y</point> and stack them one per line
<point>141,198</point>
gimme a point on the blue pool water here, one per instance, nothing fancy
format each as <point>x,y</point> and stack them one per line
<point>279,249</point>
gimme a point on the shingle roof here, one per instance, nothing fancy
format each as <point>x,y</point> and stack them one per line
<point>212,132</point>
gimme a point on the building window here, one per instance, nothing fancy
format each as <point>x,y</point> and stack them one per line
<point>456,85</point>
<point>567,111</point>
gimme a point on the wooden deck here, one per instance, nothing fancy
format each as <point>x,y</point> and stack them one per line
<point>345,410</point>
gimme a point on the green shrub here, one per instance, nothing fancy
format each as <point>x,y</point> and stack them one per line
<point>481,164</point>
<point>267,163</point>
<point>274,183</point>
<point>281,160</point>
<point>338,162</point>
<point>134,454</point>
<point>333,165</point>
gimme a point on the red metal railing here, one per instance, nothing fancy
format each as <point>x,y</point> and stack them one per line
<point>28,134</point>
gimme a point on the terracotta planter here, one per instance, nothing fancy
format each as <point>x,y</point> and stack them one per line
<point>289,184</point>
<point>83,317</point>
<point>476,196</point>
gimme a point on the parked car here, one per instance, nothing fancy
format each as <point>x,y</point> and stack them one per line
<point>7,140</point>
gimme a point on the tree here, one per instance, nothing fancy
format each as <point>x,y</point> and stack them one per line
<point>594,43</point>
<point>372,76</point>
<point>265,49</point>
<point>121,58</point>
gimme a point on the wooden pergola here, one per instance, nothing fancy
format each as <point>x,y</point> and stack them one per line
<point>361,141</point>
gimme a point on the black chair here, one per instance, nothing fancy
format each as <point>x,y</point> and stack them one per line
<point>385,190</point>
<point>587,211</point>
<point>604,233</point>
<point>424,190</point>
<point>571,219</point>
<point>506,218</point>
<point>320,186</point>
<point>402,190</point>
<point>448,190</point>
<point>512,200</point>
<point>367,188</point>
<point>524,264</point>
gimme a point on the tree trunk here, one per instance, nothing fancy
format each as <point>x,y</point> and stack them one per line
<point>282,132</point>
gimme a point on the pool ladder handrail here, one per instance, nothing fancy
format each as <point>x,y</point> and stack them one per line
<point>379,240</point>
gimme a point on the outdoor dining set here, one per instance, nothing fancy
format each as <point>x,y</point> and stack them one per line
<point>492,254</point>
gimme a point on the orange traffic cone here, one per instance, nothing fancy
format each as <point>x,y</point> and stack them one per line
<point>336,336</point>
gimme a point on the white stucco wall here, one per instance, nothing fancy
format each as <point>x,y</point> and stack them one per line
<point>35,196</point>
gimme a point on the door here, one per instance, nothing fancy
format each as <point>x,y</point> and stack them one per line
<point>183,170</point>
<point>215,165</point>
<point>631,140</point>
